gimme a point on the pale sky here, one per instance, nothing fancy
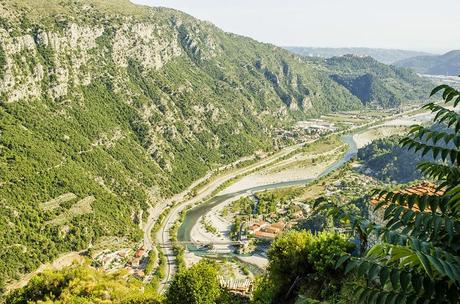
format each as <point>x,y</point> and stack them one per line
<point>427,25</point>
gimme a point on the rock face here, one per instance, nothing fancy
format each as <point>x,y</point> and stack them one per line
<point>110,100</point>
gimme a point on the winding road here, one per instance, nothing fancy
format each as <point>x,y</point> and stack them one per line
<point>183,200</point>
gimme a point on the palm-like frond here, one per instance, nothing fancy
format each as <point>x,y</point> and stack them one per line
<point>417,256</point>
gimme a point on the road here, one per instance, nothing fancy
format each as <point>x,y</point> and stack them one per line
<point>203,193</point>
<point>207,190</point>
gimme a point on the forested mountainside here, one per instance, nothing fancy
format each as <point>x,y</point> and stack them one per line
<point>387,56</point>
<point>107,107</point>
<point>447,64</point>
<point>386,160</point>
<point>374,82</point>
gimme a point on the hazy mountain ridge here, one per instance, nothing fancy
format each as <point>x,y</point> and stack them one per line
<point>387,56</point>
<point>447,64</point>
<point>107,107</point>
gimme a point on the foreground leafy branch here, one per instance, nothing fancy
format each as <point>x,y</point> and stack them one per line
<point>415,258</point>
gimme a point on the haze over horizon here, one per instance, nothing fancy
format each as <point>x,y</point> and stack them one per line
<point>333,23</point>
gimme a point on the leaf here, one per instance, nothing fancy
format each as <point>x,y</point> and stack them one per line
<point>373,271</point>
<point>417,282</point>
<point>363,268</point>
<point>394,278</point>
<point>384,274</point>
<point>351,265</point>
<point>428,287</point>
<point>438,88</point>
<point>437,264</point>
<point>425,263</point>
<point>341,260</point>
<point>404,280</point>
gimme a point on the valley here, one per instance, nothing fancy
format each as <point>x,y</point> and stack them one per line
<point>151,157</point>
<point>290,167</point>
<point>194,235</point>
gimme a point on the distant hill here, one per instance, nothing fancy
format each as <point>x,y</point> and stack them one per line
<point>387,56</point>
<point>373,82</point>
<point>385,160</point>
<point>447,64</point>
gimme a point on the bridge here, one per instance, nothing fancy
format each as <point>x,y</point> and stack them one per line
<point>234,243</point>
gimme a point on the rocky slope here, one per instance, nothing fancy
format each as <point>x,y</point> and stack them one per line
<point>107,107</point>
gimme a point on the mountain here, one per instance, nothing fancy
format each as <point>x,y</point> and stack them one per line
<point>107,108</point>
<point>375,83</point>
<point>447,64</point>
<point>387,56</point>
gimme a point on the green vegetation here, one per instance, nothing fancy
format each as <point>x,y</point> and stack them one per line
<point>83,284</point>
<point>2,62</point>
<point>387,56</point>
<point>198,285</point>
<point>242,206</point>
<point>160,270</point>
<point>446,64</point>
<point>375,83</point>
<point>143,103</point>
<point>178,248</point>
<point>416,258</point>
<point>208,226</point>
<point>389,162</point>
<point>301,262</point>
<point>151,260</point>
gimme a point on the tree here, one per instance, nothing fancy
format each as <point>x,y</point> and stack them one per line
<point>416,257</point>
<point>83,284</point>
<point>300,258</point>
<point>196,285</point>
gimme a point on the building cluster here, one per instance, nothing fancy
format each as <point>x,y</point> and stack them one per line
<point>123,259</point>
<point>316,126</point>
<point>112,260</point>
<point>263,230</point>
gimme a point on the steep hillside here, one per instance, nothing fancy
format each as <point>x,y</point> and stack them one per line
<point>107,108</point>
<point>387,56</point>
<point>376,83</point>
<point>447,64</point>
<point>386,160</point>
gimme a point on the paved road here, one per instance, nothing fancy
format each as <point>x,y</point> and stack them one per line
<point>206,191</point>
<point>163,234</point>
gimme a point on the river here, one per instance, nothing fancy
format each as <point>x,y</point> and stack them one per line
<point>193,215</point>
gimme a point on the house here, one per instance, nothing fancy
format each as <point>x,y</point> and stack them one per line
<point>257,226</point>
<point>297,214</point>
<point>136,262</point>
<point>425,188</point>
<point>280,225</point>
<point>139,252</point>
<point>265,235</point>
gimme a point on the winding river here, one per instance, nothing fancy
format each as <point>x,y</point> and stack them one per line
<point>193,215</point>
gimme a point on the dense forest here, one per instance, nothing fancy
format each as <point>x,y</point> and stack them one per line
<point>374,83</point>
<point>386,160</point>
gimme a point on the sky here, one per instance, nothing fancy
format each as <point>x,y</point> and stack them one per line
<point>425,25</point>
